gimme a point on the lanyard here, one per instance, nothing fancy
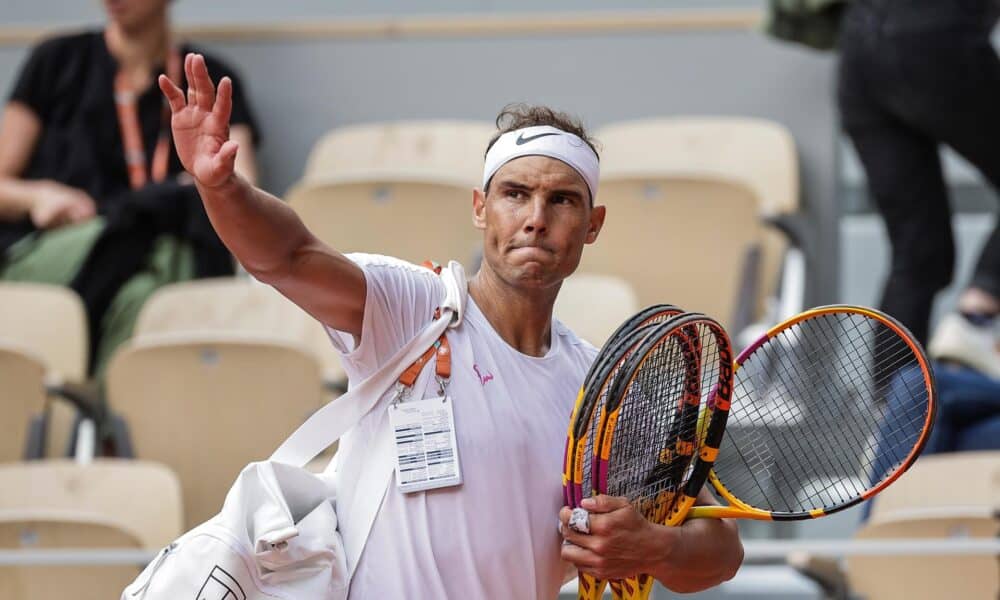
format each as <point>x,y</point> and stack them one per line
<point>128,120</point>
<point>440,351</point>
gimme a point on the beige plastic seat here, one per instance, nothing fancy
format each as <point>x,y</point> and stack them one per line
<point>230,305</point>
<point>23,396</point>
<point>432,151</point>
<point>951,496</point>
<point>927,577</point>
<point>49,321</point>
<point>593,306</point>
<point>415,221</point>
<point>661,167</point>
<point>667,240</point>
<point>48,325</point>
<point>964,479</point>
<point>62,505</point>
<point>206,405</point>
<point>401,188</point>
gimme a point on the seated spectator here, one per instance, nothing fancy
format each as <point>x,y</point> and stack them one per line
<point>92,194</point>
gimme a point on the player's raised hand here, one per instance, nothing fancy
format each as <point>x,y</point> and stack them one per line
<point>200,123</point>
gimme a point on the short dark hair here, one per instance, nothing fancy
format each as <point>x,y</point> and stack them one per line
<point>519,115</point>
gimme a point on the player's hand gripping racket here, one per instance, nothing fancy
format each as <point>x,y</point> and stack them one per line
<point>651,448</point>
<point>577,464</point>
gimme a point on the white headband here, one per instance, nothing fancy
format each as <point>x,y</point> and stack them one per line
<point>544,140</point>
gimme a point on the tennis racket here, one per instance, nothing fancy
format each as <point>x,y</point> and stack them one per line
<point>829,408</point>
<point>651,448</point>
<point>581,434</point>
<point>584,407</point>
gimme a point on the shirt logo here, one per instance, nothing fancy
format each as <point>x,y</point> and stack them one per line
<point>521,140</point>
<point>483,379</point>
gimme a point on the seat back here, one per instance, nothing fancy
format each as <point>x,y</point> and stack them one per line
<point>218,403</point>
<point>50,322</point>
<point>448,151</point>
<point>655,228</point>
<point>593,306</point>
<point>23,397</point>
<point>228,305</point>
<point>756,153</point>
<point>409,220</point>
<point>930,577</point>
<point>62,505</point>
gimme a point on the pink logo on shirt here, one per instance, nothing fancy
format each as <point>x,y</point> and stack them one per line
<point>483,379</point>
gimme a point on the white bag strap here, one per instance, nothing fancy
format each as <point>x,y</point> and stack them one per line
<point>329,423</point>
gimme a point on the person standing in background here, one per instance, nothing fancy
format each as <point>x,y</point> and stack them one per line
<point>915,74</point>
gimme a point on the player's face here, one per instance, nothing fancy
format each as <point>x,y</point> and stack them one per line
<point>535,220</point>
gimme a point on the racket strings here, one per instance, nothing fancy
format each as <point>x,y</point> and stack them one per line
<point>613,361</point>
<point>786,425</point>
<point>644,444</point>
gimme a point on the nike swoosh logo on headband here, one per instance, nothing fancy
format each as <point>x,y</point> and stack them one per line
<point>524,140</point>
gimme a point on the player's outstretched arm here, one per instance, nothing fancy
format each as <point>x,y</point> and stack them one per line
<point>264,234</point>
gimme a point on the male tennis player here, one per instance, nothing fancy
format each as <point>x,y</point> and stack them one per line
<point>515,370</point>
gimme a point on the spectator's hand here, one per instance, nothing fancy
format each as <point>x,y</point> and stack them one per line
<point>201,123</point>
<point>56,204</point>
<point>621,543</point>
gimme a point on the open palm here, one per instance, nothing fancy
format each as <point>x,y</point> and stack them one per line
<point>200,123</point>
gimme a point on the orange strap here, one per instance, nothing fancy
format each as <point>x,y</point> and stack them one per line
<point>441,350</point>
<point>131,130</point>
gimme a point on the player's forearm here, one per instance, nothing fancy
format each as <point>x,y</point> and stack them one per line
<point>709,553</point>
<point>260,230</point>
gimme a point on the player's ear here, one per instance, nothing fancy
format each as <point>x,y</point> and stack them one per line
<point>597,215</point>
<point>479,208</point>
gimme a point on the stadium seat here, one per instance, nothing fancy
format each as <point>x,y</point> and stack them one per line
<point>208,404</point>
<point>230,305</point>
<point>402,189</point>
<point>579,298</point>
<point>930,577</point>
<point>47,325</point>
<point>48,320</point>
<point>705,186</point>
<point>23,399</point>
<point>946,496</point>
<point>62,505</point>
<point>447,151</point>
<point>415,221</point>
<point>968,479</point>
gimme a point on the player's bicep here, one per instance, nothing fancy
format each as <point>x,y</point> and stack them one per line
<point>327,285</point>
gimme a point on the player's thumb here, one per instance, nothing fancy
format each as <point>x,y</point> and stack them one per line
<point>603,503</point>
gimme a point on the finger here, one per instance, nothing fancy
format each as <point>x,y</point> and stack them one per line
<point>224,101</point>
<point>192,85</point>
<point>564,514</point>
<point>583,540</point>
<point>225,160</point>
<point>603,503</point>
<point>206,89</point>
<point>173,94</point>
<point>581,558</point>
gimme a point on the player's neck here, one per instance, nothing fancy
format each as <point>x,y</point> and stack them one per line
<point>523,319</point>
<point>139,48</point>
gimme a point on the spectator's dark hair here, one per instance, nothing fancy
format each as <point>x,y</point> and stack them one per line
<point>519,115</point>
